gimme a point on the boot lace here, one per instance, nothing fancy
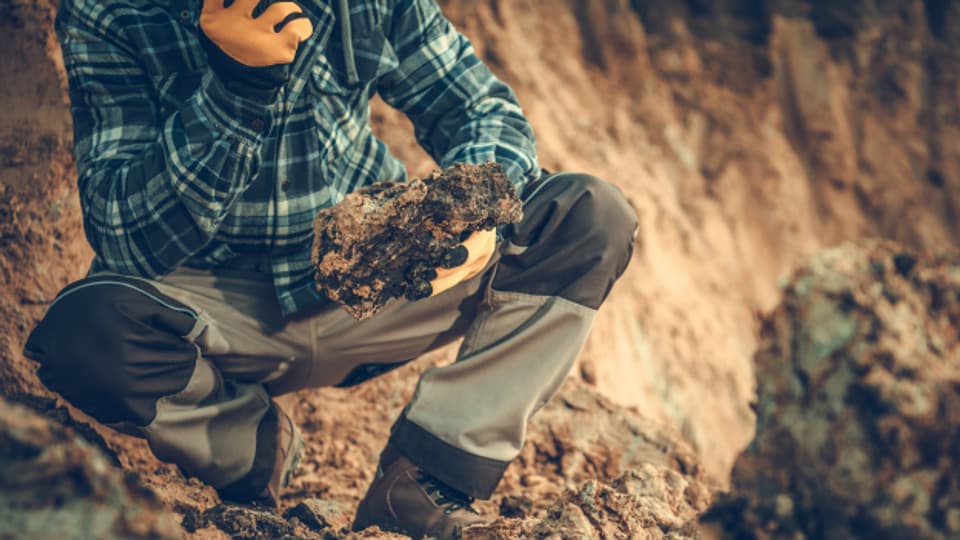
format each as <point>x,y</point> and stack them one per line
<point>445,496</point>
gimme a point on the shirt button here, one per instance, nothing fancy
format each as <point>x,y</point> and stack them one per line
<point>285,185</point>
<point>185,16</point>
<point>257,124</point>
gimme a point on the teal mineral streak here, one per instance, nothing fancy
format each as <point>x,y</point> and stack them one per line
<point>826,330</point>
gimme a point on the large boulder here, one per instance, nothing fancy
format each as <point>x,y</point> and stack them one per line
<point>56,484</point>
<point>858,411</point>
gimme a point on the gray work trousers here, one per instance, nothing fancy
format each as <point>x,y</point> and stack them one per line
<point>192,359</point>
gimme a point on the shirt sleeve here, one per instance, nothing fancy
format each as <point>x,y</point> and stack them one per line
<point>153,189</point>
<point>461,112</point>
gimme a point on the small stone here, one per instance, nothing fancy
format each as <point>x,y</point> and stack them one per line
<point>319,514</point>
<point>516,506</point>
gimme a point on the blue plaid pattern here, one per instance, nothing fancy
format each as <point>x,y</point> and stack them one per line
<point>174,169</point>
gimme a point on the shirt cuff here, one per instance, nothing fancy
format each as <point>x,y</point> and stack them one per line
<point>518,173</point>
<point>247,118</point>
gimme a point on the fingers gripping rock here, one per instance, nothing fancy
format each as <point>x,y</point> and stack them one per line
<point>385,240</point>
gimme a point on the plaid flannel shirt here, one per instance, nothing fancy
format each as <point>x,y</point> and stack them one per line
<point>174,169</point>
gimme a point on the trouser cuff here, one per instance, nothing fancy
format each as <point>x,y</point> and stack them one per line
<point>471,474</point>
<point>250,486</point>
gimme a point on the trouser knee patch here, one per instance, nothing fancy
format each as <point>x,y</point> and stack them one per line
<point>575,240</point>
<point>113,346</point>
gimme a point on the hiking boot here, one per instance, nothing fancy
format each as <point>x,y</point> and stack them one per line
<point>279,448</point>
<point>287,459</point>
<point>406,500</point>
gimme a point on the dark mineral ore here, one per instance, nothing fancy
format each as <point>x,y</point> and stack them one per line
<point>385,240</point>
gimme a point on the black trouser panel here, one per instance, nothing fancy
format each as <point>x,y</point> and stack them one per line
<point>579,233</point>
<point>112,346</point>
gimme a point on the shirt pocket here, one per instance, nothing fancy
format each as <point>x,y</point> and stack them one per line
<point>341,109</point>
<point>373,56</point>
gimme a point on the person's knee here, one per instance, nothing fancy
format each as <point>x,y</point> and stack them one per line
<point>111,351</point>
<point>574,242</point>
<point>601,220</point>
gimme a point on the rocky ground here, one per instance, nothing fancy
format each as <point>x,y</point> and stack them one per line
<point>589,469</point>
<point>56,484</point>
<point>748,136</point>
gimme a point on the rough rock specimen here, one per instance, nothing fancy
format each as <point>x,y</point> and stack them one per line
<point>385,240</point>
<point>53,484</point>
<point>858,413</point>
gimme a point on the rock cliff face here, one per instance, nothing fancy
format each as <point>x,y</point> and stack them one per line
<point>748,135</point>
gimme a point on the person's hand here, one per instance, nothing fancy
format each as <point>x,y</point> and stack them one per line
<point>472,255</point>
<point>252,46</point>
<point>266,40</point>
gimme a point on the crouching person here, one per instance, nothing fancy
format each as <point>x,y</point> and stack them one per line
<point>207,135</point>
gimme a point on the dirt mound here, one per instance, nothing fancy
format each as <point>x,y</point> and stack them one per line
<point>579,438</point>
<point>54,484</point>
<point>858,404</point>
<point>651,502</point>
<point>590,468</point>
